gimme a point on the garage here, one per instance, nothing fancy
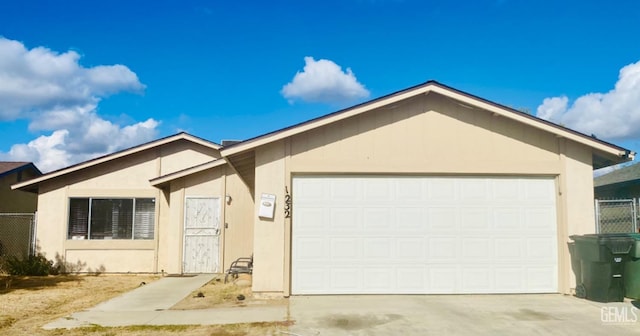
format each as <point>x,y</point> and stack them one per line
<point>385,234</point>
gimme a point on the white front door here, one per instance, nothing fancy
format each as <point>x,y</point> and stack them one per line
<point>201,235</point>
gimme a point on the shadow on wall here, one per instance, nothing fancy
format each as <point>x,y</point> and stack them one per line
<point>576,266</point>
<point>65,267</point>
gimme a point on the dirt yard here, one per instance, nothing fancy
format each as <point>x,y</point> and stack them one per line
<point>216,293</point>
<point>27,303</point>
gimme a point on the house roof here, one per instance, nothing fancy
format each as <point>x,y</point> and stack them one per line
<point>9,167</point>
<point>625,174</point>
<point>161,180</point>
<point>608,153</point>
<point>116,155</point>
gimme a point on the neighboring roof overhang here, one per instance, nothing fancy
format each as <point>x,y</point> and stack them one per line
<point>7,168</point>
<point>160,181</point>
<point>607,153</point>
<point>116,155</point>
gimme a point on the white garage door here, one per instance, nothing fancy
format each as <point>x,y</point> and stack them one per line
<point>423,235</point>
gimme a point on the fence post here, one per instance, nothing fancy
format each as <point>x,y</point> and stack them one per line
<point>34,223</point>
<point>634,216</point>
<point>597,207</point>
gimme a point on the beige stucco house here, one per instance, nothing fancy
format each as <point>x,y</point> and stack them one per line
<point>427,190</point>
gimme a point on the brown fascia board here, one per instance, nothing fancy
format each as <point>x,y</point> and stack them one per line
<point>623,153</point>
<point>115,155</point>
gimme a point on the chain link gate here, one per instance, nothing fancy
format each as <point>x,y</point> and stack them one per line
<point>17,234</point>
<point>616,215</point>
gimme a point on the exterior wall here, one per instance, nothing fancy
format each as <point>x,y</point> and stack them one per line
<point>238,215</point>
<point>576,206</point>
<point>269,234</point>
<point>174,157</point>
<point>235,241</point>
<point>429,135</point>
<point>124,177</point>
<point>16,201</point>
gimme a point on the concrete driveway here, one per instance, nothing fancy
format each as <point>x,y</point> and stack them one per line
<point>405,315</point>
<point>551,314</point>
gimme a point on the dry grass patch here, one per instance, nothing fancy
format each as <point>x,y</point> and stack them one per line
<point>27,303</point>
<point>216,293</point>
<point>243,329</point>
<point>31,302</point>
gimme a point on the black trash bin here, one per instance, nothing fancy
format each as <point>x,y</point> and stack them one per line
<point>602,258</point>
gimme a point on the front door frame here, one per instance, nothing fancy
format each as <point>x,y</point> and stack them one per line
<point>203,231</point>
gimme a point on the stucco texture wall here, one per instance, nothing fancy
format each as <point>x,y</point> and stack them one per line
<point>425,135</point>
<point>122,177</point>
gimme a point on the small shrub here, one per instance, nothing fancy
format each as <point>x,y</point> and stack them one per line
<point>33,265</point>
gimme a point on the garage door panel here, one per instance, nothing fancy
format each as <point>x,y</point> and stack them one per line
<point>310,280</point>
<point>410,190</point>
<point>345,279</point>
<point>510,278</point>
<point>311,248</point>
<point>480,249</point>
<point>378,249</point>
<point>539,219</point>
<point>475,219</point>
<point>476,279</point>
<point>537,278</point>
<point>310,219</point>
<point>441,189</point>
<point>413,235</point>
<point>473,190</point>
<point>543,248</point>
<point>506,190</point>
<point>507,219</point>
<point>443,279</point>
<point>377,189</point>
<point>345,190</point>
<point>342,249</point>
<point>409,219</point>
<point>442,250</point>
<point>410,249</point>
<point>410,278</point>
<point>509,249</point>
<point>377,219</point>
<point>442,219</point>
<point>376,279</point>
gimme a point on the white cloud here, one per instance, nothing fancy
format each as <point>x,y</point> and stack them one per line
<point>611,115</point>
<point>323,81</point>
<point>59,97</point>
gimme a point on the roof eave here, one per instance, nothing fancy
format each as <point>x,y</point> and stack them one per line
<point>160,181</point>
<point>467,99</point>
<point>116,155</point>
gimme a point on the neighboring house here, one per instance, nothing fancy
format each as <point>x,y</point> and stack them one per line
<point>620,183</point>
<point>426,190</point>
<point>15,228</point>
<point>16,201</point>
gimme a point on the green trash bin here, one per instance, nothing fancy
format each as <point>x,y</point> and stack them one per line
<point>632,270</point>
<point>602,262</point>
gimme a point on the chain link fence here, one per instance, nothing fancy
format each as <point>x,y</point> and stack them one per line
<point>616,215</point>
<point>17,234</point>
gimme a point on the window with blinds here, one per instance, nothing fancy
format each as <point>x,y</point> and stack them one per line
<point>111,218</point>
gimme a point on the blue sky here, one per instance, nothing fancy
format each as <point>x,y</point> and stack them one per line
<point>80,79</point>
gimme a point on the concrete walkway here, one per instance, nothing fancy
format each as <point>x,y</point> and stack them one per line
<point>149,305</point>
